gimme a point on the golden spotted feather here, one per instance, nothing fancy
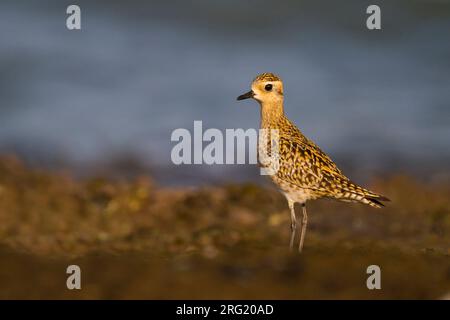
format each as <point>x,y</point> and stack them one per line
<point>305,168</point>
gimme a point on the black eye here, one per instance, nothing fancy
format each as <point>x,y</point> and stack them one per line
<point>268,87</point>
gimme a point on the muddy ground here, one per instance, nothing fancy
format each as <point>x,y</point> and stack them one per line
<point>135,240</point>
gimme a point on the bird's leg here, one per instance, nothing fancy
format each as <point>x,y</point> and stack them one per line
<point>293,223</point>
<point>303,230</point>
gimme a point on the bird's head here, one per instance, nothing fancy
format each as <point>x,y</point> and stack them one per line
<point>266,88</point>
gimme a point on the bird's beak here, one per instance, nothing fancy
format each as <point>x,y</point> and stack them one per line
<point>247,95</point>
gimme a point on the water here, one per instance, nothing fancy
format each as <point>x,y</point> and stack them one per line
<point>111,94</point>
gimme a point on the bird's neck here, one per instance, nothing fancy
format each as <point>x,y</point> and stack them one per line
<point>271,113</point>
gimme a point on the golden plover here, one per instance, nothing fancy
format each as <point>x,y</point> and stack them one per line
<point>304,171</point>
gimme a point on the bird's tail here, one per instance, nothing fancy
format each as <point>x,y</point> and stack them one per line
<point>354,193</point>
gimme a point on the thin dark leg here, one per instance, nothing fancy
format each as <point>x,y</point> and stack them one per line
<point>303,231</point>
<point>293,224</point>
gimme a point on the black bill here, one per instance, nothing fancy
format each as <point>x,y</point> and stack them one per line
<point>247,95</point>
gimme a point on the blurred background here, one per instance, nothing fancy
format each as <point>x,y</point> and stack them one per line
<point>86,176</point>
<point>109,96</point>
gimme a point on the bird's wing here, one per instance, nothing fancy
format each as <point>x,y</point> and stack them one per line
<point>305,165</point>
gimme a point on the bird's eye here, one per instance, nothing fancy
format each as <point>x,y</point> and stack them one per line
<point>268,87</point>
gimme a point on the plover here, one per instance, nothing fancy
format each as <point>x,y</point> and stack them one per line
<point>305,172</point>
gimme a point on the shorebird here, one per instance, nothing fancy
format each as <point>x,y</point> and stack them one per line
<point>305,172</point>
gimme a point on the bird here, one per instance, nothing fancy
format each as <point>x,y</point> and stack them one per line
<point>303,171</point>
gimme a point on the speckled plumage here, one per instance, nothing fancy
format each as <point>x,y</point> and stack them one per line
<point>266,76</point>
<point>307,173</point>
<point>304,172</point>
